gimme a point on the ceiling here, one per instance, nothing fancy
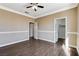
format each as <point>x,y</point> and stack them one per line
<point>49,8</point>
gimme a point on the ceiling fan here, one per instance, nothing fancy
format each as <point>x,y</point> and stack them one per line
<point>34,6</point>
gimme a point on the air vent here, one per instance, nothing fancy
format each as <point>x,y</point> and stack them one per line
<point>26,12</point>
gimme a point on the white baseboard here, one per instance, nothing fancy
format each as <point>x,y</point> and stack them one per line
<point>47,40</point>
<point>78,50</point>
<point>56,41</point>
<point>66,50</point>
<point>13,42</point>
<point>36,37</point>
<point>73,46</point>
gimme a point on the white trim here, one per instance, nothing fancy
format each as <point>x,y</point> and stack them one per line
<point>13,42</point>
<point>78,50</point>
<point>36,30</point>
<point>8,9</point>
<point>46,31</point>
<point>66,50</point>
<point>13,32</point>
<point>72,33</point>
<point>73,46</point>
<point>47,40</point>
<point>53,12</point>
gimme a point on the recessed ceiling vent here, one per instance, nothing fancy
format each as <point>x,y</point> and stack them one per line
<point>26,12</point>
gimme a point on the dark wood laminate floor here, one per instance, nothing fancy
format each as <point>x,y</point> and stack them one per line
<point>36,48</point>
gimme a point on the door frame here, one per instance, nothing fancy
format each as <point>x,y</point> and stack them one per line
<point>35,29</point>
<point>29,29</point>
<point>56,33</point>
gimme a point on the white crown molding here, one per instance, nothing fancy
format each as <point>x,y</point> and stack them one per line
<point>63,9</point>
<point>60,10</point>
<point>8,9</point>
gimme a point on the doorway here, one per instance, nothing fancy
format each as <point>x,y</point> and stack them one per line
<point>31,30</point>
<point>60,29</point>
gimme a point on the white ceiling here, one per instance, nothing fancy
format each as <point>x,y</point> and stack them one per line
<point>49,8</point>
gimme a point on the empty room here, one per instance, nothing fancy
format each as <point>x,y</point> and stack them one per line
<point>39,29</point>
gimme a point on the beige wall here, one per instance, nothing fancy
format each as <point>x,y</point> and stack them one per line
<point>47,23</point>
<point>12,23</point>
<point>13,27</point>
<point>78,28</point>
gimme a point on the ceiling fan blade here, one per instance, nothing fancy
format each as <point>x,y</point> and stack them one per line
<point>36,3</point>
<point>26,12</point>
<point>29,7</point>
<point>40,6</point>
<point>35,9</point>
<point>33,3</point>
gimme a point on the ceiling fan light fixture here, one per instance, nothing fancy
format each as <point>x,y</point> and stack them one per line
<point>34,7</point>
